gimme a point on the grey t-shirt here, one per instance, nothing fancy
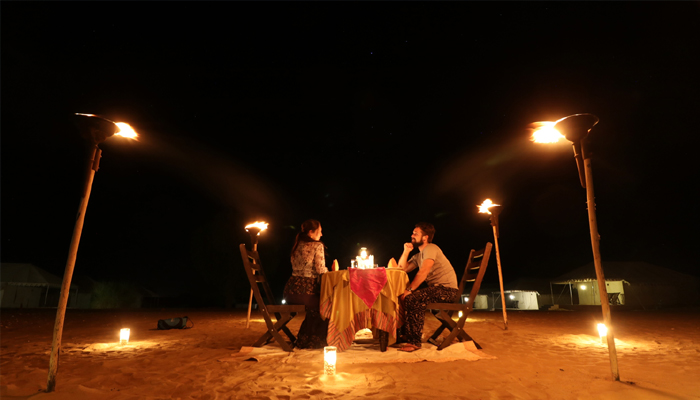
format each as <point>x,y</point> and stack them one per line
<point>441,273</point>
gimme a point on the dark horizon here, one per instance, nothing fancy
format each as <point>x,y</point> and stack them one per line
<point>369,120</point>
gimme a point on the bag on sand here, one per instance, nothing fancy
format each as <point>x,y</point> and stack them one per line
<point>174,323</point>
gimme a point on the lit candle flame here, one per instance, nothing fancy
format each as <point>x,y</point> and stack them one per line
<point>257,224</point>
<point>544,132</point>
<point>484,207</point>
<point>125,130</point>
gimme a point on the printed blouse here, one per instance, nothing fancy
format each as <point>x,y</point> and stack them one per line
<point>309,260</point>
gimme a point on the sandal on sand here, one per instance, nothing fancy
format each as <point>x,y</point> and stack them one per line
<point>408,348</point>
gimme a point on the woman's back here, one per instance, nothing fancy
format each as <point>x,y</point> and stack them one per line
<point>309,260</point>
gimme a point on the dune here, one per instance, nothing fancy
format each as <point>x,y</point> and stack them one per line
<point>543,355</point>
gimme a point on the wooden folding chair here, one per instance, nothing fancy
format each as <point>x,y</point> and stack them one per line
<point>283,313</point>
<point>473,272</point>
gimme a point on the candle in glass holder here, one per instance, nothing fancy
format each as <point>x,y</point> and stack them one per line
<point>603,333</point>
<point>124,336</point>
<point>329,358</point>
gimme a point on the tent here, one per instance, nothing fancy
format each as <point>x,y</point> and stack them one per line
<point>28,286</point>
<point>480,303</point>
<point>627,283</point>
<point>517,300</point>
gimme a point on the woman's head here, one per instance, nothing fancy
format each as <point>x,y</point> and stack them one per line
<point>312,228</point>
<point>310,231</point>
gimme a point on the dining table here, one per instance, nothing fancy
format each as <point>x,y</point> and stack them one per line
<point>355,299</point>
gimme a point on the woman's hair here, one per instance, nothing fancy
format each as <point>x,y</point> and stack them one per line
<point>303,236</point>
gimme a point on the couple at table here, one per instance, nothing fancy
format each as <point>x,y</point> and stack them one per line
<point>308,264</point>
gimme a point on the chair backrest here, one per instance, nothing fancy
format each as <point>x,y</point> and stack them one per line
<point>474,273</point>
<point>256,276</point>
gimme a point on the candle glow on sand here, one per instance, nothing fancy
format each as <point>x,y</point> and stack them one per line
<point>124,336</point>
<point>602,332</point>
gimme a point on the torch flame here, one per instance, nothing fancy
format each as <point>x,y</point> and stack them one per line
<point>544,132</point>
<point>484,207</point>
<point>257,224</point>
<point>125,130</point>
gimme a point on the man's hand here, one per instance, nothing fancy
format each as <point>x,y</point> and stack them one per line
<point>405,293</point>
<point>407,247</point>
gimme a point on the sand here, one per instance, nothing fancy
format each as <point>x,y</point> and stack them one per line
<point>543,355</point>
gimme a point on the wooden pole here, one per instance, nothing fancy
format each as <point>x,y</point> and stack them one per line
<point>595,242</point>
<point>500,277</point>
<point>250,300</point>
<point>250,306</point>
<point>68,274</point>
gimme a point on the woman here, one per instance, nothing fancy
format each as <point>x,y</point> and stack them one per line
<point>304,286</point>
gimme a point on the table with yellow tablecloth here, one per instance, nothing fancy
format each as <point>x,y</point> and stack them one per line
<point>348,313</point>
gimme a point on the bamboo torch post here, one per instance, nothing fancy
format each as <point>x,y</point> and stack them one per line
<point>254,240</point>
<point>576,128</point>
<point>494,223</point>
<point>487,207</point>
<point>95,130</point>
<point>254,231</point>
<point>68,274</point>
<point>595,243</point>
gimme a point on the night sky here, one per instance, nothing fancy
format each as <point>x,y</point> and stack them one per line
<point>367,117</point>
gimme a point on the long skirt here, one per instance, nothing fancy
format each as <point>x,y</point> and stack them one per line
<point>313,330</point>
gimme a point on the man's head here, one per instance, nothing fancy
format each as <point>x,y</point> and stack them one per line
<point>422,234</point>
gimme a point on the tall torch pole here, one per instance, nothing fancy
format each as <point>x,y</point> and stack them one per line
<point>494,223</point>
<point>576,128</point>
<point>595,243</point>
<point>487,207</point>
<point>95,130</point>
<point>70,264</point>
<point>254,230</point>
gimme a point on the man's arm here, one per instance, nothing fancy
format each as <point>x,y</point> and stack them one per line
<point>403,260</point>
<point>420,277</point>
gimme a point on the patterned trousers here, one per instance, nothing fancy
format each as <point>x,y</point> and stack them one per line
<point>415,305</point>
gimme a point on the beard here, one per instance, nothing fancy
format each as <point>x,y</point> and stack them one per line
<point>415,243</point>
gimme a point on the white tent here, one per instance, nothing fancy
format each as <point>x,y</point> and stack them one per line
<point>480,303</point>
<point>28,286</point>
<point>517,300</point>
<point>627,283</point>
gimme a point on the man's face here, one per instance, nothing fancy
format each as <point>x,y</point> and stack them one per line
<point>417,237</point>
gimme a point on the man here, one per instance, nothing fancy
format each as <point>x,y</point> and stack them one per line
<point>434,269</point>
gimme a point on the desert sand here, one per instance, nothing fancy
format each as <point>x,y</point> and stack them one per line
<point>543,355</point>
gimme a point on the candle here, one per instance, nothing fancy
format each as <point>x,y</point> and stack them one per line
<point>329,358</point>
<point>124,336</point>
<point>603,333</point>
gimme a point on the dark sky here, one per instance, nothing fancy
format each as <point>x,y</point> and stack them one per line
<point>368,117</point>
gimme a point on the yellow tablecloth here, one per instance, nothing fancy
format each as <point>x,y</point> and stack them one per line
<point>347,313</point>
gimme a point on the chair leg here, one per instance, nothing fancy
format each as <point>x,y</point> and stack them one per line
<point>289,333</point>
<point>446,321</point>
<point>285,345</point>
<point>263,340</point>
<point>286,317</point>
<point>273,333</point>
<point>457,331</point>
<point>281,325</point>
